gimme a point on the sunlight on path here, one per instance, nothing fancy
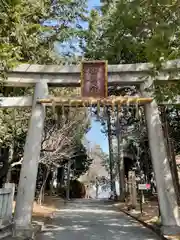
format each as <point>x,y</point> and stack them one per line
<point>93,220</point>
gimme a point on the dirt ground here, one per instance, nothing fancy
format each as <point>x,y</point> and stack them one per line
<point>150,214</point>
<point>45,211</point>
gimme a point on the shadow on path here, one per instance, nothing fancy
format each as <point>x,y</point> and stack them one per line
<point>93,220</point>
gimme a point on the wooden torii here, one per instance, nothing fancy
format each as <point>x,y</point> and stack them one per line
<point>44,76</point>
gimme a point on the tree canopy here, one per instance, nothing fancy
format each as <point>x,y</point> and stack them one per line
<point>134,32</point>
<point>31,31</point>
<point>38,32</point>
<point>127,31</point>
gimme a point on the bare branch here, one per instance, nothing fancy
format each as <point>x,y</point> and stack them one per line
<point>16,163</point>
<point>59,142</point>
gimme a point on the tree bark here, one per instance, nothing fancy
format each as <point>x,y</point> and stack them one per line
<point>120,162</point>
<point>68,181</point>
<point>171,155</point>
<point>11,154</point>
<point>111,157</point>
<point>41,193</point>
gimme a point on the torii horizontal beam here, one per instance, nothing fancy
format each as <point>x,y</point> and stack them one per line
<point>64,76</point>
<point>16,102</point>
<point>86,102</point>
<point>20,102</point>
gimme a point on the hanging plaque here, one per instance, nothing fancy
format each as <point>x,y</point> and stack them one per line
<point>94,79</point>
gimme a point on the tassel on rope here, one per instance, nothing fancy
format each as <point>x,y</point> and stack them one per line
<point>137,111</point>
<point>63,110</point>
<point>113,106</point>
<point>140,115</point>
<point>118,107</point>
<point>104,110</point>
<point>104,107</point>
<point>90,103</point>
<point>128,102</point>
<point>118,116</point>
<point>69,103</point>
<point>54,109</point>
<point>84,107</point>
<point>76,103</point>
<point>98,108</point>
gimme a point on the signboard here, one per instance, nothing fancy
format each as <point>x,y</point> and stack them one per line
<point>145,186</point>
<point>94,79</point>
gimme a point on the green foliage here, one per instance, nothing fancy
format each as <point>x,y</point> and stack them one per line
<point>81,160</point>
<point>134,32</point>
<point>31,31</point>
<point>91,39</point>
<point>137,31</point>
<point>171,121</point>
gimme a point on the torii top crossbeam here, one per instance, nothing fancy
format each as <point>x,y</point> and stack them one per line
<point>130,74</point>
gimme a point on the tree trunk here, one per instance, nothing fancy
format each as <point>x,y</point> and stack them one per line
<point>171,154</point>
<point>120,162</point>
<point>11,154</point>
<point>132,188</point>
<point>60,177</point>
<point>111,157</point>
<point>175,171</point>
<point>68,181</point>
<point>97,188</point>
<point>54,176</point>
<point>41,193</point>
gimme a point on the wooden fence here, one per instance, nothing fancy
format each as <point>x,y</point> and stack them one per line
<point>6,204</point>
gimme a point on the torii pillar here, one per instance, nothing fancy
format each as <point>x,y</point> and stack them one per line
<point>29,169</point>
<point>166,193</point>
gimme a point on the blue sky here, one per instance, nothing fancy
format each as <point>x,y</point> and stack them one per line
<point>64,48</point>
<point>94,135</point>
<point>93,3</point>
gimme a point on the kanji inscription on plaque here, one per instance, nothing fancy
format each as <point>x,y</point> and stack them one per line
<point>94,79</point>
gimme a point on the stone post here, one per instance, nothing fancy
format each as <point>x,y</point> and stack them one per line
<point>166,194</point>
<point>132,189</point>
<point>27,182</point>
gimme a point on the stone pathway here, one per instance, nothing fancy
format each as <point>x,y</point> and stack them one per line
<point>93,220</point>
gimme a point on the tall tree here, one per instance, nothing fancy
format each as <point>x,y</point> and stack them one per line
<point>30,30</point>
<point>129,30</point>
<point>33,32</point>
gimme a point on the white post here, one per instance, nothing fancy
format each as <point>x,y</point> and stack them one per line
<point>166,194</point>
<point>27,182</point>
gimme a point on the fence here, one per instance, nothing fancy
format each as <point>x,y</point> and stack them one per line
<point>6,204</point>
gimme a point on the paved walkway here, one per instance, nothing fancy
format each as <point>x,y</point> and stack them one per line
<point>93,220</point>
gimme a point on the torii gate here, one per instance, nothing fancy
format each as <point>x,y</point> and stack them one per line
<point>42,76</point>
